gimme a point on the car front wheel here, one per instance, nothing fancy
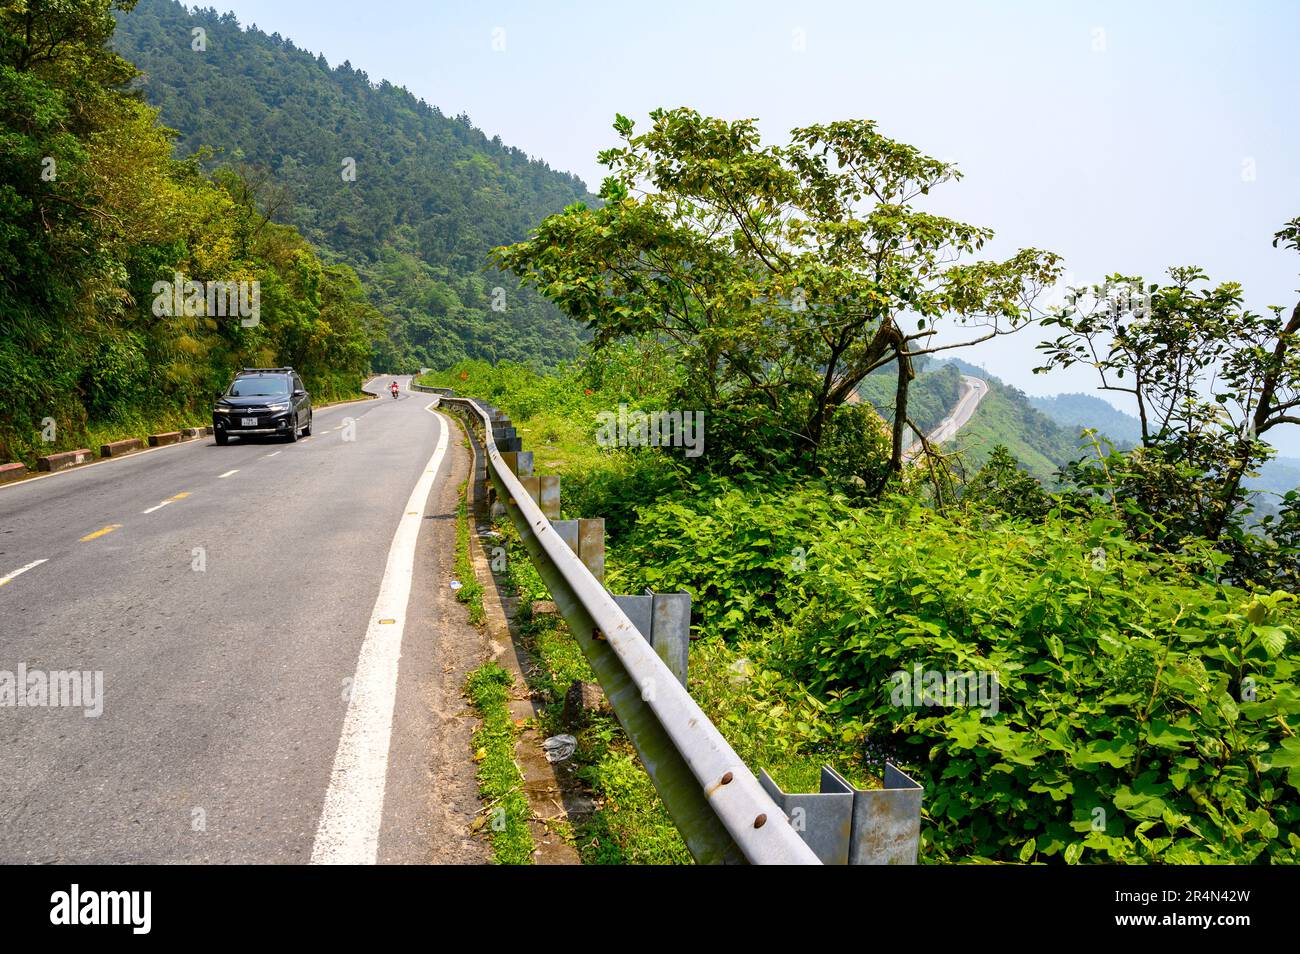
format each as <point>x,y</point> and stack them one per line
<point>293,429</point>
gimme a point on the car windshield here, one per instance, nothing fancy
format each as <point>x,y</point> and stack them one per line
<point>259,385</point>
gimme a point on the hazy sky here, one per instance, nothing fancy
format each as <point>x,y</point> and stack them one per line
<point>1124,136</point>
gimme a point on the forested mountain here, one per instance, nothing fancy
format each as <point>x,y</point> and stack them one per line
<point>120,264</point>
<point>1088,410</point>
<point>431,193</point>
<point>1276,476</point>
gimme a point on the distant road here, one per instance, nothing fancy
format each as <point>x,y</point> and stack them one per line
<point>973,391</point>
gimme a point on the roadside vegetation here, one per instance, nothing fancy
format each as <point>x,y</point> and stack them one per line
<point>1121,731</point>
<point>471,590</point>
<point>1138,628</point>
<point>506,811</point>
<point>96,215</point>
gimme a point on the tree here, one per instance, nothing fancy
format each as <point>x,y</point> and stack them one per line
<point>95,211</point>
<point>1209,378</point>
<point>1003,485</point>
<point>782,275</point>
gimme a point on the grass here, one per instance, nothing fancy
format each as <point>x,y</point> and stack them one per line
<point>500,784</point>
<point>630,824</point>
<point>471,590</point>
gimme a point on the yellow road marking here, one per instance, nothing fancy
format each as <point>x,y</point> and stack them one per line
<point>99,533</point>
<point>180,496</point>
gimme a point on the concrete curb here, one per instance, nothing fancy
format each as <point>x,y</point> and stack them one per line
<point>371,397</point>
<point>64,459</point>
<point>121,448</point>
<point>15,471</point>
<point>165,438</point>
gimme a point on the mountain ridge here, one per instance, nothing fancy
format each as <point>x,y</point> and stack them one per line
<point>428,195</point>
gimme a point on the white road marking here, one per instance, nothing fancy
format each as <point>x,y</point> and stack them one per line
<point>169,500</point>
<point>348,832</point>
<point>228,473</point>
<point>271,455</point>
<point>21,570</point>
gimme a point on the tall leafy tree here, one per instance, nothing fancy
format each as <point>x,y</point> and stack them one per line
<point>94,210</point>
<point>784,275</point>
<point>1209,378</point>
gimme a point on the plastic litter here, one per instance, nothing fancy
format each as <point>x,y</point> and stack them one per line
<point>559,747</point>
<point>741,671</point>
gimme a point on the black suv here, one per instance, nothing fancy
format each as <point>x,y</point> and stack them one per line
<point>263,402</point>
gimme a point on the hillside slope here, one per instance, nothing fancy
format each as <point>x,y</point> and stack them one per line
<point>431,193</point>
<point>1087,410</point>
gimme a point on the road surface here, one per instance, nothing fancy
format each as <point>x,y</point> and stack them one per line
<point>280,649</point>
<point>973,391</point>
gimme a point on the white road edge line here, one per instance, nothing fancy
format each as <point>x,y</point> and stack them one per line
<point>21,570</point>
<point>159,507</point>
<point>272,455</point>
<point>228,473</point>
<point>348,831</point>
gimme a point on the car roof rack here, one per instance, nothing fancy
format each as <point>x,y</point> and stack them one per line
<point>281,370</point>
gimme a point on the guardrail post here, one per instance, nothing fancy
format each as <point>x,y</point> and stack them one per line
<point>664,619</point>
<point>548,495</point>
<point>519,462</point>
<point>545,491</point>
<point>823,819</point>
<point>568,531</point>
<point>533,487</point>
<point>854,826</point>
<point>887,821</point>
<point>591,545</point>
<point>585,537</point>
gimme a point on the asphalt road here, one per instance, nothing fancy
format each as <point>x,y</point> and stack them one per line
<point>973,391</point>
<point>251,699</point>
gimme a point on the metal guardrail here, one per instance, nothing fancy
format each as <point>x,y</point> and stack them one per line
<point>722,811</point>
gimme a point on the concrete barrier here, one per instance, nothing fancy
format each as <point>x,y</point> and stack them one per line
<point>167,437</point>
<point>12,471</point>
<point>119,448</point>
<point>194,433</point>
<point>63,460</point>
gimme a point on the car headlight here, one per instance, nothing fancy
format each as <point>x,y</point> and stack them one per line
<point>278,407</point>
<point>222,410</point>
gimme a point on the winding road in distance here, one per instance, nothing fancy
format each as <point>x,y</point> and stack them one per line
<point>973,390</point>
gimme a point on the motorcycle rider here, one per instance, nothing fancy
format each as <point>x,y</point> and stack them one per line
<point>393,387</point>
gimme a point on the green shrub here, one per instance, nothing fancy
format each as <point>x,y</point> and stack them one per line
<point>1144,714</point>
